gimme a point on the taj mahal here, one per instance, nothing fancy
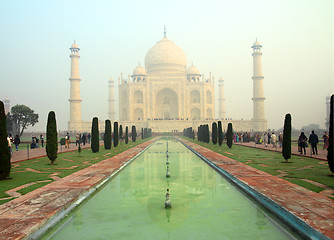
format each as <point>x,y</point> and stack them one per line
<point>167,95</point>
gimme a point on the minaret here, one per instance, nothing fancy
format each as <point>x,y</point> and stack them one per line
<point>7,105</point>
<point>75,123</point>
<point>221,99</point>
<point>111,100</point>
<point>328,102</point>
<point>258,95</point>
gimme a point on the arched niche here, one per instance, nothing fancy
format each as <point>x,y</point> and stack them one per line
<point>195,96</point>
<point>138,114</point>
<point>208,97</point>
<point>138,96</point>
<point>195,114</point>
<point>166,106</point>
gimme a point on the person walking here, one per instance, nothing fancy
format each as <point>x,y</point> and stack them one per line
<point>326,141</point>
<point>302,140</point>
<point>314,140</point>
<point>265,139</point>
<point>273,139</point>
<point>88,137</point>
<point>17,142</point>
<point>84,137</point>
<point>10,144</point>
<point>77,138</point>
<point>67,140</point>
<point>280,139</point>
<point>42,139</point>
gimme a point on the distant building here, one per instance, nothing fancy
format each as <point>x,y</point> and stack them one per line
<point>166,95</point>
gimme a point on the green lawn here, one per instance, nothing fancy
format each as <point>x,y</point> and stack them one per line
<point>298,168</point>
<point>34,170</point>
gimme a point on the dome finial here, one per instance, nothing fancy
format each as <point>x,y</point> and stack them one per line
<point>165,32</point>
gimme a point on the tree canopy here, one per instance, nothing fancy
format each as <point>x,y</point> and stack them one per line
<point>22,117</point>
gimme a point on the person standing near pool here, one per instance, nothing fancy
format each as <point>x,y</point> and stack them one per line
<point>302,140</point>
<point>313,140</point>
<point>273,139</point>
<point>17,142</point>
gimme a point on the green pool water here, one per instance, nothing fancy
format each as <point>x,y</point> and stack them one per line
<point>204,204</point>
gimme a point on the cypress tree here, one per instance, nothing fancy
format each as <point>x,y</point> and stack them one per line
<point>286,151</point>
<point>126,135</point>
<point>229,135</point>
<point>220,133</point>
<point>51,137</point>
<point>5,155</point>
<point>115,134</point>
<point>134,133</point>
<point>330,149</point>
<point>198,137</point>
<point>95,141</point>
<point>193,135</point>
<point>120,136</point>
<point>207,133</point>
<point>142,133</point>
<point>214,133</point>
<point>107,135</point>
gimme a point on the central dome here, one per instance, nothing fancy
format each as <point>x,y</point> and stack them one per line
<point>165,55</point>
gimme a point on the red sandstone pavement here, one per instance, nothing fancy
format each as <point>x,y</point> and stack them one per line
<point>23,152</point>
<point>322,154</point>
<point>313,208</point>
<point>22,216</point>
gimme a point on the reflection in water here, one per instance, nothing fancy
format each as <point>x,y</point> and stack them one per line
<point>205,205</point>
<point>168,214</point>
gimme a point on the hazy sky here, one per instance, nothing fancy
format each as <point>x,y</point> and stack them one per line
<point>114,35</point>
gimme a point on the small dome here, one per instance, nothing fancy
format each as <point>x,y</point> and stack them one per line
<point>257,44</point>
<point>192,70</point>
<point>139,71</point>
<point>74,45</point>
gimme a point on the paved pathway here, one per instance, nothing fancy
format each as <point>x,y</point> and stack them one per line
<point>322,154</point>
<point>24,153</point>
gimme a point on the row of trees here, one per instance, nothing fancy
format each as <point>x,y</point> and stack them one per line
<point>217,136</point>
<point>189,132</point>
<point>112,137</point>
<point>146,132</point>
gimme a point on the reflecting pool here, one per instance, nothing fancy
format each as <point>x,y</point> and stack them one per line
<point>204,204</point>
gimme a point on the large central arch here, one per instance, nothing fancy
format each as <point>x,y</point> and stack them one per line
<point>166,106</point>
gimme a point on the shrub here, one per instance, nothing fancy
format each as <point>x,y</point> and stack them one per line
<point>115,134</point>
<point>51,137</point>
<point>214,133</point>
<point>134,133</point>
<point>5,156</point>
<point>286,151</point>
<point>120,136</point>
<point>220,133</point>
<point>126,135</point>
<point>95,145</point>
<point>330,148</point>
<point>229,135</point>
<point>107,135</point>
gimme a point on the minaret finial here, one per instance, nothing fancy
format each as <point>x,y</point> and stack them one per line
<point>165,31</point>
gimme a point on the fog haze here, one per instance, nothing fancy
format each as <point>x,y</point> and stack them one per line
<point>114,36</point>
